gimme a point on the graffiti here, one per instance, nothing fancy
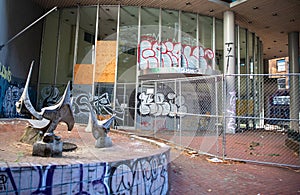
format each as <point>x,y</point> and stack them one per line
<point>49,96</point>
<point>139,176</point>
<point>231,113</point>
<point>5,73</point>
<point>229,54</point>
<point>55,179</point>
<point>3,180</point>
<point>160,105</point>
<point>101,105</point>
<point>12,95</point>
<point>168,54</point>
<point>146,176</point>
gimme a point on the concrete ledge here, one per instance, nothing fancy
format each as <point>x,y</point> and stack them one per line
<point>146,172</point>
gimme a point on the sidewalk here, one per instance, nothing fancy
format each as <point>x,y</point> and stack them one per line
<point>193,175</point>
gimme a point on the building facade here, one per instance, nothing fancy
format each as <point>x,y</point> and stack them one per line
<point>121,59</point>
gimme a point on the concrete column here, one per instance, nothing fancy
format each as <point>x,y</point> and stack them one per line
<point>293,39</point>
<point>229,68</point>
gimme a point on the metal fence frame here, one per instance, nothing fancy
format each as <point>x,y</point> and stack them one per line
<point>255,114</point>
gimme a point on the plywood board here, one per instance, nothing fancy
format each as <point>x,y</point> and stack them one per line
<point>105,61</point>
<point>83,74</point>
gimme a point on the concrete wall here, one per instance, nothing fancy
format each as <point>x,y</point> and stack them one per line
<point>146,175</point>
<point>16,56</point>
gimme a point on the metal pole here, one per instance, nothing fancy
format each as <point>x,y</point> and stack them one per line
<point>14,37</point>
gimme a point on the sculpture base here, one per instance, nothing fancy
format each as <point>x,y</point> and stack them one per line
<point>43,149</point>
<point>103,142</point>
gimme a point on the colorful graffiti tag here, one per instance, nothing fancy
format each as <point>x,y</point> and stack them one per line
<point>153,54</point>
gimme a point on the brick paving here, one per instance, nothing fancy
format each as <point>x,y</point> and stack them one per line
<point>190,175</point>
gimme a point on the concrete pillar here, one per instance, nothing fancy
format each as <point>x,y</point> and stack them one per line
<point>229,68</point>
<point>293,49</point>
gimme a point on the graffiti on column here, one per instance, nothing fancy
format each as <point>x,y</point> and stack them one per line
<point>229,54</point>
<point>231,112</point>
<point>152,54</point>
<point>161,105</point>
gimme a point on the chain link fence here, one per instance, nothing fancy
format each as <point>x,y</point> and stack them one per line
<point>239,117</point>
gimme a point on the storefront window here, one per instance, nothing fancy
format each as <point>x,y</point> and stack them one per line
<point>128,41</point>
<point>150,40</point>
<point>170,46</point>
<point>219,45</point>
<point>190,52</point>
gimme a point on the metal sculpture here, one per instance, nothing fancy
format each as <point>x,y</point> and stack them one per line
<point>47,120</point>
<point>99,129</point>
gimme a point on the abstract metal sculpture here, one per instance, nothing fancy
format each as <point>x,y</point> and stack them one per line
<point>47,120</point>
<point>99,129</point>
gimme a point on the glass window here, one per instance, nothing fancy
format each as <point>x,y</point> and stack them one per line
<point>149,45</point>
<point>206,53</point>
<point>86,35</point>
<point>170,46</point>
<point>243,50</point>
<point>128,38</point>
<point>190,54</point>
<point>205,31</point>
<point>219,45</point>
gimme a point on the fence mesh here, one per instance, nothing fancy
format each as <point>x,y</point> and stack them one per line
<point>245,117</point>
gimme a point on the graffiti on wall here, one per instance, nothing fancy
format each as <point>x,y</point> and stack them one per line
<point>159,104</point>
<point>5,73</point>
<point>168,54</point>
<point>101,104</point>
<point>144,176</point>
<point>49,96</point>
<point>140,176</point>
<point>12,95</point>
